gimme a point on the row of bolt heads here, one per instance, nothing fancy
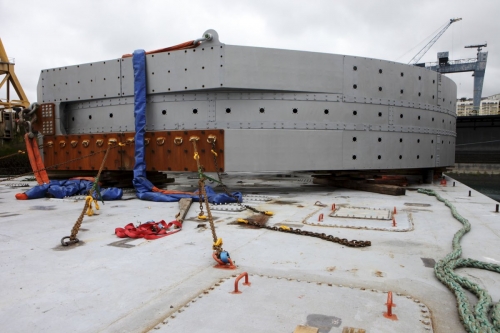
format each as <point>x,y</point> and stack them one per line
<point>388,314</point>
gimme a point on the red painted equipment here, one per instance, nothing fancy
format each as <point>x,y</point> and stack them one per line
<point>246,283</point>
<point>390,305</point>
<point>221,264</point>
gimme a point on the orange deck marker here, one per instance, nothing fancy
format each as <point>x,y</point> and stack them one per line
<point>390,305</point>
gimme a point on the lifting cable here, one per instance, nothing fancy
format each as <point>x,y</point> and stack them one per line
<point>476,320</point>
<point>87,208</point>
<point>19,152</point>
<point>183,46</point>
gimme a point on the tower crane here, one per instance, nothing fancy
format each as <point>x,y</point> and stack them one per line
<point>426,48</point>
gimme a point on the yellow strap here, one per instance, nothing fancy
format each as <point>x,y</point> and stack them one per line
<point>121,144</point>
<point>89,199</point>
<point>284,227</point>
<point>196,156</point>
<point>218,242</point>
<point>242,221</point>
<point>96,204</point>
<point>269,213</point>
<point>213,152</point>
<point>202,217</point>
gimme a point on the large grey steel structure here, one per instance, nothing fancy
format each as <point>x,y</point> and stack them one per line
<point>279,109</point>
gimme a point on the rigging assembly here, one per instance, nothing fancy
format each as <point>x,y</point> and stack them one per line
<point>149,106</point>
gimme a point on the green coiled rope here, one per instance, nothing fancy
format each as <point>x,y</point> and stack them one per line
<point>485,316</point>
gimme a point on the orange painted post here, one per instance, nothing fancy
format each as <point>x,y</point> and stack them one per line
<point>390,305</point>
<point>394,210</point>
<point>217,259</point>
<point>394,221</point>
<point>320,218</point>
<point>246,283</point>
<point>333,207</point>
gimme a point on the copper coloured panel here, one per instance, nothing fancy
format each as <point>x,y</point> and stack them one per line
<point>49,150</point>
<point>81,152</point>
<point>128,155</point>
<point>164,151</point>
<point>172,150</point>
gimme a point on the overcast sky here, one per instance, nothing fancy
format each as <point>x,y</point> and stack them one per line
<point>53,33</point>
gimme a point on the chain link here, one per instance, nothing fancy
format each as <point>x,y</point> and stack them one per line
<point>217,247</point>
<point>330,238</point>
<point>78,223</point>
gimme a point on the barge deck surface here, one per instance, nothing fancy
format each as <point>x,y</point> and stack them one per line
<point>107,284</point>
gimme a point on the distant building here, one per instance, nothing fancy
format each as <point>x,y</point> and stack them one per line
<point>489,106</point>
<point>496,96</point>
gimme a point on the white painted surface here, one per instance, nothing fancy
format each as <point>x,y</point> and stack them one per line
<point>96,287</point>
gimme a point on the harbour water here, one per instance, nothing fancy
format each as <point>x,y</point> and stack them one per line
<point>487,184</point>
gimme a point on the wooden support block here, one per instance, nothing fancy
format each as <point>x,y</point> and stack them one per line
<point>362,186</point>
<point>353,330</point>
<point>184,205</point>
<point>306,329</point>
<point>397,182</point>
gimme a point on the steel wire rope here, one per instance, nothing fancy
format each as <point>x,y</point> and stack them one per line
<point>421,42</point>
<point>19,152</point>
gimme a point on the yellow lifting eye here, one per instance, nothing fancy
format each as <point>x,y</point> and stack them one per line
<point>211,138</point>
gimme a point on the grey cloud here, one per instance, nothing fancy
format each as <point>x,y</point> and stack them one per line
<point>59,33</point>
